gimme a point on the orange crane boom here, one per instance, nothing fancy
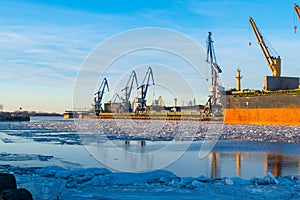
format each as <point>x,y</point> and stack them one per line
<point>297,10</point>
<point>273,62</point>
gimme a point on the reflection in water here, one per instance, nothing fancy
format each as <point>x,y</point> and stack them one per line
<point>142,142</point>
<point>265,163</point>
<point>214,164</point>
<point>223,161</point>
<point>274,162</point>
<point>228,159</point>
<point>238,165</point>
<point>244,164</point>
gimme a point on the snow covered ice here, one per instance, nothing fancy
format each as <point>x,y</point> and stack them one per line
<point>69,131</point>
<point>54,182</point>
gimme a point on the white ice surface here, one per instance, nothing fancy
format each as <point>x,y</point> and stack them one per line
<point>54,182</point>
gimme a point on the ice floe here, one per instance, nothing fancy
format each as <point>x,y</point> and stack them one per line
<point>54,182</point>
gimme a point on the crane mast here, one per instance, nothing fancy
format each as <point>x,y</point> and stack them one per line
<point>273,62</point>
<point>213,104</point>
<point>144,88</point>
<point>128,89</point>
<point>99,96</point>
<point>211,58</point>
<point>297,10</point>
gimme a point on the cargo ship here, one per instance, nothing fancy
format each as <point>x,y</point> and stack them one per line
<point>259,107</point>
<point>278,103</point>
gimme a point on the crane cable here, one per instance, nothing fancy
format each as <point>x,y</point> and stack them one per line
<point>269,45</point>
<point>249,34</point>
<point>272,49</point>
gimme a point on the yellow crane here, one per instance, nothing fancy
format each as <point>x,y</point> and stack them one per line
<point>273,62</point>
<point>297,10</point>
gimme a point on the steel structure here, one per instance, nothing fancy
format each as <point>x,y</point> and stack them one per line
<point>273,62</point>
<point>128,89</point>
<point>144,88</point>
<point>297,10</point>
<point>99,96</point>
<point>213,101</point>
<point>211,58</point>
<point>115,97</point>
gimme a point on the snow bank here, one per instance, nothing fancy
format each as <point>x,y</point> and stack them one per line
<point>54,182</point>
<point>104,177</point>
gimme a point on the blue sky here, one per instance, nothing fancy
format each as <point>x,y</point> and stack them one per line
<point>44,43</point>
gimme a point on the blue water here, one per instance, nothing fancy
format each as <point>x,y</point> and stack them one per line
<point>48,141</point>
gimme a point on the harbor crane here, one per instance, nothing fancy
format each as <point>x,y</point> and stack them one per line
<point>144,89</point>
<point>273,62</point>
<point>99,96</point>
<point>297,10</point>
<point>128,89</point>
<point>215,70</point>
<point>115,97</point>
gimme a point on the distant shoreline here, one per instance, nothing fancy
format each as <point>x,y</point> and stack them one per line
<point>33,113</point>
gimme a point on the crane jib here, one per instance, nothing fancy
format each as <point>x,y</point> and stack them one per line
<point>273,62</point>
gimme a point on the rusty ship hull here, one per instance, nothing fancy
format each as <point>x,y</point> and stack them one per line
<point>263,109</point>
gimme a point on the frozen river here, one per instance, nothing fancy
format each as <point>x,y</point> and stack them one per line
<point>56,141</point>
